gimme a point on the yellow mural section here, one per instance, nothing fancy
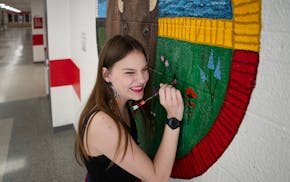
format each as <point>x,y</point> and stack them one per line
<point>242,33</point>
<point>247,24</point>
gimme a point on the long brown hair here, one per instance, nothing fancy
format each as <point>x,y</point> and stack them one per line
<point>102,96</point>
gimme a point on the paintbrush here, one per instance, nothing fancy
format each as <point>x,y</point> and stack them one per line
<point>142,102</point>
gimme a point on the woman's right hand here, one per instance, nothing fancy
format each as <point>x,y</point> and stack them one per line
<point>171,99</point>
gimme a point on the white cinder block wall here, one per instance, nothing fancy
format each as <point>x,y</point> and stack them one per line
<point>84,47</point>
<point>260,152</point>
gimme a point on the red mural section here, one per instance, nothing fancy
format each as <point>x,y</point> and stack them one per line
<point>65,72</point>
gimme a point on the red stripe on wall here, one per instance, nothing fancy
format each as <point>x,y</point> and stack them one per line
<point>37,39</point>
<point>65,72</point>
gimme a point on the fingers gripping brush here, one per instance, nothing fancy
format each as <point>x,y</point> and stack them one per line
<point>142,102</point>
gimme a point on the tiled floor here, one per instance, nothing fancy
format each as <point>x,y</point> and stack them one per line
<point>20,78</point>
<point>30,149</point>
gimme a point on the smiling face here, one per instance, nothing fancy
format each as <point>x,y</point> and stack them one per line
<point>128,77</point>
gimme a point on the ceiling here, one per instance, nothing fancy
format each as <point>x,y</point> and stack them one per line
<point>22,5</point>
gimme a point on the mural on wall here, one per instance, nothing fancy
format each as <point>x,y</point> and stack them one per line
<point>211,48</point>
<point>101,23</point>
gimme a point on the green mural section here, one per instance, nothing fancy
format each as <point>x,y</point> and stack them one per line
<point>202,74</point>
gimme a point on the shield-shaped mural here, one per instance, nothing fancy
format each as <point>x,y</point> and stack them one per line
<point>211,48</point>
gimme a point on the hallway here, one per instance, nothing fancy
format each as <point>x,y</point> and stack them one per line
<point>31,150</point>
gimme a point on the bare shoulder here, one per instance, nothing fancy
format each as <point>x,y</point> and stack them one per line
<point>101,117</point>
<point>102,122</point>
<point>101,133</point>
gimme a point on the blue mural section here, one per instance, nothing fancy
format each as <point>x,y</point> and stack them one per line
<point>215,9</point>
<point>102,8</point>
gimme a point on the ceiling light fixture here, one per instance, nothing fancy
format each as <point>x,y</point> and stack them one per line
<point>9,8</point>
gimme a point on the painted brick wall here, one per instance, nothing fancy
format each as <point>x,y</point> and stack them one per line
<point>261,149</point>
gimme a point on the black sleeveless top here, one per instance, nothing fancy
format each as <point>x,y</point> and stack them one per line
<point>98,170</point>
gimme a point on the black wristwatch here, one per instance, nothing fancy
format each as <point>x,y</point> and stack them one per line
<point>173,123</point>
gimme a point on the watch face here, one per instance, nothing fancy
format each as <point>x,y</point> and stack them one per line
<point>173,123</point>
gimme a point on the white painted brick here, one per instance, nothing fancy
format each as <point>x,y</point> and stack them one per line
<point>212,173</point>
<point>270,98</point>
<point>61,105</point>
<point>275,47</point>
<point>88,75</point>
<point>275,15</point>
<point>225,176</point>
<point>259,152</point>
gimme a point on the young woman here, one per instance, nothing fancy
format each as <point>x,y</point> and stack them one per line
<point>106,138</point>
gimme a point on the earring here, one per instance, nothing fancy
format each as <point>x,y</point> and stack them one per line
<point>114,90</point>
